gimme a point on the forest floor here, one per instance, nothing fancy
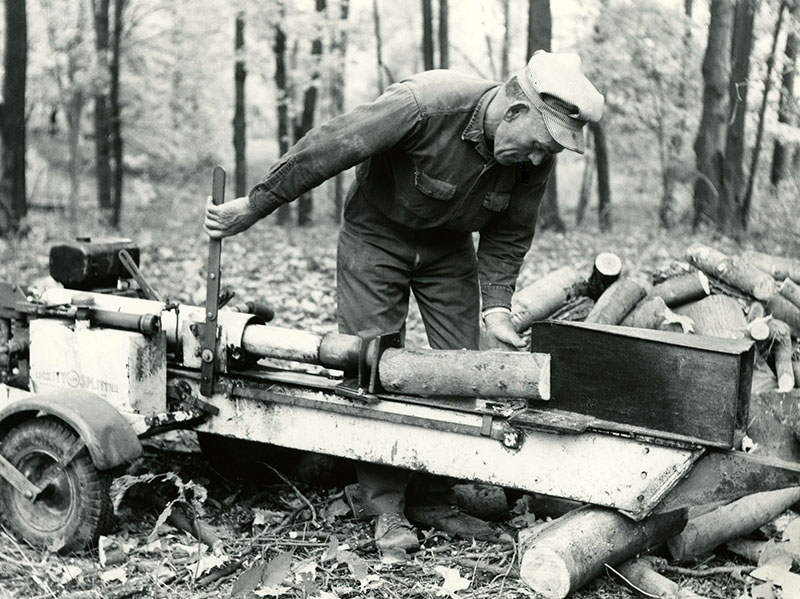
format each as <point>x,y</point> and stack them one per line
<point>301,536</point>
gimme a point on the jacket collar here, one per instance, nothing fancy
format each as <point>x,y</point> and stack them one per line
<point>474,130</point>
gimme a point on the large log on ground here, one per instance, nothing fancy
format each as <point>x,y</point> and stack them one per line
<point>777,266</point>
<point>566,553</point>
<point>782,309</point>
<point>541,298</point>
<point>702,534</point>
<point>653,313</point>
<point>682,289</point>
<point>466,373</point>
<point>716,316</point>
<point>781,352</point>
<point>617,301</point>
<point>732,270</point>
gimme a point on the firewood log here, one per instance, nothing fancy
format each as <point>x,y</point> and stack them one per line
<point>544,296</point>
<point>782,309</point>
<point>618,300</point>
<point>781,352</point>
<point>575,309</point>
<point>607,268</point>
<point>791,291</point>
<point>641,574</point>
<point>702,534</point>
<point>716,316</point>
<point>757,322</point>
<point>732,270</point>
<point>564,554</point>
<point>777,266</point>
<point>683,288</point>
<point>653,313</point>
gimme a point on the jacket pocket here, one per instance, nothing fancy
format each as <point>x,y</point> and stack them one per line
<point>496,202</point>
<point>429,198</point>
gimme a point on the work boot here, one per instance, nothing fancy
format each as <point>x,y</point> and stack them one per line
<point>394,532</point>
<point>449,519</point>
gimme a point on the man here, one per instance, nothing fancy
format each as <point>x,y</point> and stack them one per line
<point>439,155</point>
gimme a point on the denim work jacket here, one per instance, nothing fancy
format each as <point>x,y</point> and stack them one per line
<point>424,163</point>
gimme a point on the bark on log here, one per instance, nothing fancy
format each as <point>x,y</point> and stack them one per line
<point>781,353</point>
<point>564,554</point>
<point>543,297</point>
<point>782,309</point>
<point>653,313</point>
<point>617,301</point>
<point>606,270</point>
<point>466,373</point>
<point>777,266</point>
<point>682,289</point>
<point>575,309</point>
<point>716,316</point>
<point>732,270</point>
<point>641,574</point>
<point>727,522</point>
<point>791,291</point>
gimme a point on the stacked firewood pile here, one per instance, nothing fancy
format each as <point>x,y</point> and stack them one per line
<point>752,295</point>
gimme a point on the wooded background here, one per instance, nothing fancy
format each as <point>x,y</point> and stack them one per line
<point>108,103</point>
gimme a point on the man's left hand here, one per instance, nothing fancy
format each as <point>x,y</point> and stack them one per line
<point>500,333</point>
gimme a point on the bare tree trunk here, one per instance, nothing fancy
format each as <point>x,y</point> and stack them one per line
<point>284,212</point>
<point>339,49</point>
<point>116,112</point>
<point>787,113</point>
<point>376,17</point>
<point>603,176</point>
<point>711,183</point>
<point>730,217</point>
<point>587,181</point>
<point>748,196</point>
<point>305,202</point>
<point>239,120</point>
<point>666,209</point>
<point>504,51</point>
<point>427,35</point>
<point>540,31</point>
<point>102,124</point>
<point>13,200</point>
<point>444,35</point>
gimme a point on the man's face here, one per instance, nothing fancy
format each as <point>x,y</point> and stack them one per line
<point>522,135</point>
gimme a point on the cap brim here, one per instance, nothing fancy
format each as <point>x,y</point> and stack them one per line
<point>569,137</point>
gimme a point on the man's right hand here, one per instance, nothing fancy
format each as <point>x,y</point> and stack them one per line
<point>230,218</point>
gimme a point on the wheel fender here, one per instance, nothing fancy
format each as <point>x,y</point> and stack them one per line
<point>110,439</point>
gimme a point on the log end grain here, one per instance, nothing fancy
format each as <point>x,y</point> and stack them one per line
<point>546,572</point>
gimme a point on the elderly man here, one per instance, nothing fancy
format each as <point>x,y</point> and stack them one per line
<point>439,155</point>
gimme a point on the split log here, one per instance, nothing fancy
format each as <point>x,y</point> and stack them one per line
<point>685,288</point>
<point>466,373</point>
<point>791,291</point>
<point>640,574</point>
<point>777,266</point>
<point>781,354</point>
<point>540,299</point>
<point>732,270</point>
<point>653,313</point>
<point>564,554</point>
<point>702,534</point>
<point>782,309</point>
<point>575,309</point>
<point>716,316</point>
<point>617,301</point>
<point>606,270</point>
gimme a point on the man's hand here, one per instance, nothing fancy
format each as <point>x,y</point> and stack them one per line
<point>500,333</point>
<point>230,218</point>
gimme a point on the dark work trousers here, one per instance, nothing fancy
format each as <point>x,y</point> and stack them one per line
<point>378,264</point>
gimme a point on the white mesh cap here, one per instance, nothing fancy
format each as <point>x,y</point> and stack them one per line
<point>560,76</point>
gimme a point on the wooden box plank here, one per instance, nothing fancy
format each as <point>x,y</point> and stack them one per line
<point>678,384</point>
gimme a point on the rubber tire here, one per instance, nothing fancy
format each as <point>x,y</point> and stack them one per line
<point>74,511</point>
